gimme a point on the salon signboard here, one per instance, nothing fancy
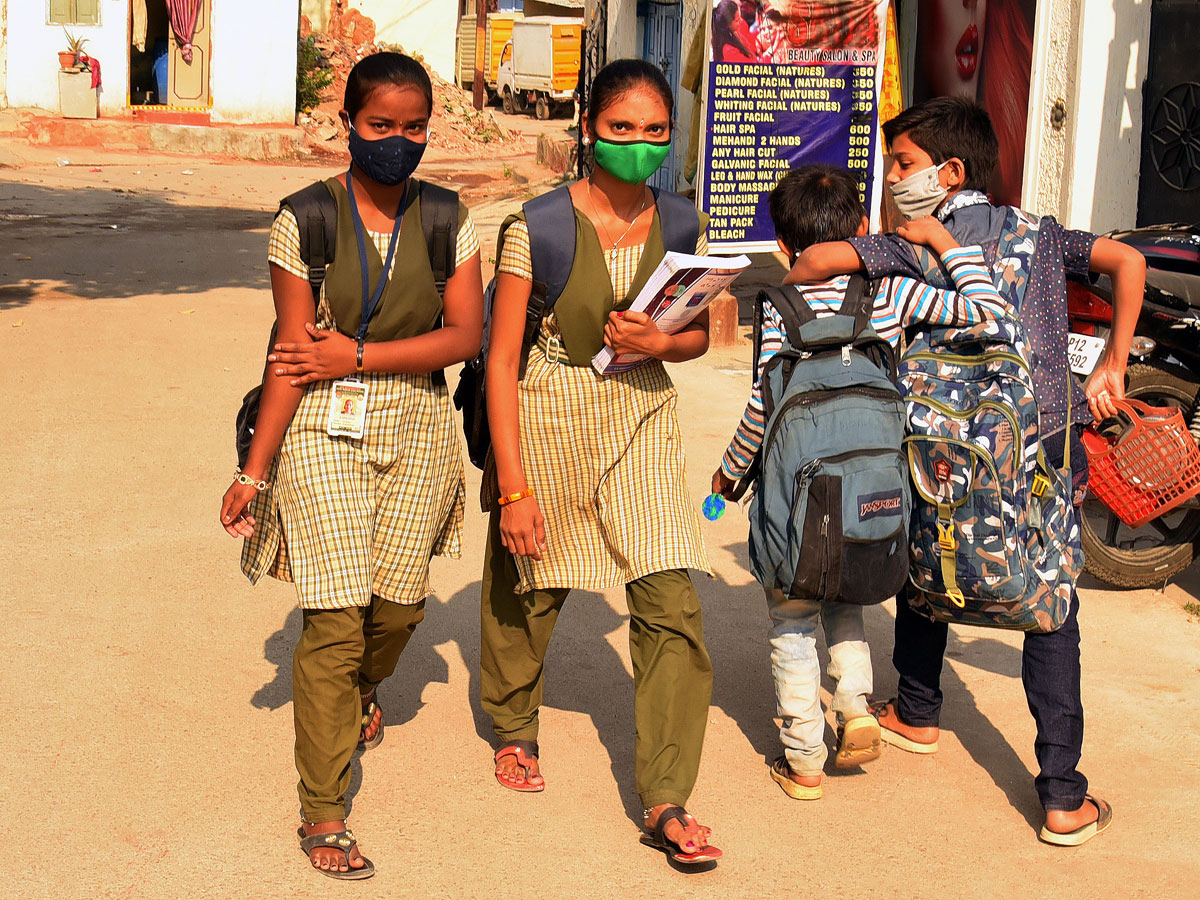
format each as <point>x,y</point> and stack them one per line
<point>789,82</point>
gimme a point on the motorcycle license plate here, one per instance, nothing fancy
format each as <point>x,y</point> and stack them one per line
<point>1083,351</point>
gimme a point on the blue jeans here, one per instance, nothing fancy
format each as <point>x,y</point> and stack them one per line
<point>1050,673</point>
<point>797,673</point>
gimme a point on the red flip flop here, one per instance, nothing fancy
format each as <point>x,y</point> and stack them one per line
<point>526,754</point>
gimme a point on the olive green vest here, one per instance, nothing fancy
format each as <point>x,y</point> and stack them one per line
<point>410,304</point>
<point>583,307</point>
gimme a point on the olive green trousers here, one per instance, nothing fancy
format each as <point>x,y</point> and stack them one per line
<point>341,654</point>
<point>672,674</point>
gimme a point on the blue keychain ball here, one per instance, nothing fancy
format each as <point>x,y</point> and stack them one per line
<point>713,507</point>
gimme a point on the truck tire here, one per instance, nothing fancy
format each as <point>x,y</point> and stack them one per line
<point>542,109</point>
<point>1155,553</point>
<point>507,102</point>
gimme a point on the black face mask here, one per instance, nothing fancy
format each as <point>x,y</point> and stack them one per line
<point>388,160</point>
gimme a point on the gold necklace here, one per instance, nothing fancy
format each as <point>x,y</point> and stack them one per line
<point>625,233</point>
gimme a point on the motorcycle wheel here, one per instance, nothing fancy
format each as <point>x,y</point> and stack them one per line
<point>1158,551</point>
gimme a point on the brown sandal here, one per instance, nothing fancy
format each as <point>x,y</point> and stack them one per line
<point>368,715</point>
<point>342,841</point>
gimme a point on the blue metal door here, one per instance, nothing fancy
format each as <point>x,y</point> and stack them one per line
<point>662,22</point>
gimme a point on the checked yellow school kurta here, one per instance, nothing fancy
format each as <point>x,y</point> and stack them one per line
<point>604,456</point>
<point>349,519</point>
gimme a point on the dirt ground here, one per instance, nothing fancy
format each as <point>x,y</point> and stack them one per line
<point>146,751</point>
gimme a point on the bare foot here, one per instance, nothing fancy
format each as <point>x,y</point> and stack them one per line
<point>509,768</point>
<point>332,859</point>
<point>885,712</point>
<point>692,839</point>
<point>1065,820</point>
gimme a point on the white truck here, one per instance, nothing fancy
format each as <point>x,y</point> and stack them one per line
<point>539,66</point>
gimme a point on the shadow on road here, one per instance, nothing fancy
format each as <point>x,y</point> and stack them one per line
<point>585,674</point>
<point>745,691</point>
<point>96,243</point>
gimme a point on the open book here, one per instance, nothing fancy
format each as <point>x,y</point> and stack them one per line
<point>678,291</point>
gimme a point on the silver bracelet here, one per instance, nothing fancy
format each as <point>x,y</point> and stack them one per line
<point>241,478</point>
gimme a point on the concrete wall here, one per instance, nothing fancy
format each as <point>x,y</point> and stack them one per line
<point>624,32</point>
<point>3,53</point>
<point>1090,55</point>
<point>254,61</point>
<point>1101,177</point>
<point>427,27</point>
<point>32,57</point>
<point>253,75</point>
<point>693,18</point>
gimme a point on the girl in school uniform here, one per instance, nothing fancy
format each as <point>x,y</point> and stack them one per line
<point>589,488</point>
<point>353,520</point>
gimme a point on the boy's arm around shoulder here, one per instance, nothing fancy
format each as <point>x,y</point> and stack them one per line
<point>877,255</point>
<point>820,262</point>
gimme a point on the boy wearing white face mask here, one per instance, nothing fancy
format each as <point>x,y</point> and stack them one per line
<point>944,151</point>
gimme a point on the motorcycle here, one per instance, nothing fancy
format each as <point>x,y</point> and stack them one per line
<point>1164,370</point>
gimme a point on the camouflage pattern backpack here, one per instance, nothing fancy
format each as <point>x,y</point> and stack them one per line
<point>994,538</point>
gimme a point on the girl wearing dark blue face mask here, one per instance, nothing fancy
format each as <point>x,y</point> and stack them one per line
<point>354,478</point>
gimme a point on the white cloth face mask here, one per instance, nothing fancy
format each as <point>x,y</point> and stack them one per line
<point>919,194</point>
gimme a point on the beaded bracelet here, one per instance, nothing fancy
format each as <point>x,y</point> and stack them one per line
<point>242,478</point>
<point>513,498</point>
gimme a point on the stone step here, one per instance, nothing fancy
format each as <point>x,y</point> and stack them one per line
<point>126,133</point>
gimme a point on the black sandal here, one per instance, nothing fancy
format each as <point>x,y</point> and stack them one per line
<point>659,840</point>
<point>338,840</point>
<point>368,714</point>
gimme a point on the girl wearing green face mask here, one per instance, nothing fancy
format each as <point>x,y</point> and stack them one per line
<point>586,483</point>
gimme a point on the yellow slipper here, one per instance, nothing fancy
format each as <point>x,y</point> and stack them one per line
<point>780,771</point>
<point>1083,833</point>
<point>859,741</point>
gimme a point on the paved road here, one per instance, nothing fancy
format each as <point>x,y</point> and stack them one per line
<point>147,747</point>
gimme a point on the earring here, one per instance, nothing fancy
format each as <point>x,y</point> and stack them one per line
<point>586,140</point>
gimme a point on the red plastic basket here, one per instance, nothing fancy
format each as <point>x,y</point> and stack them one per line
<point>1151,467</point>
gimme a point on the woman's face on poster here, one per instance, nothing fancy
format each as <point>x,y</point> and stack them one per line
<point>950,43</point>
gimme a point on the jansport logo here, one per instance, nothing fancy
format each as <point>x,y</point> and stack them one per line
<point>886,503</point>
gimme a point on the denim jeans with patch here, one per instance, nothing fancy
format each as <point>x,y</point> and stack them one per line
<point>797,673</point>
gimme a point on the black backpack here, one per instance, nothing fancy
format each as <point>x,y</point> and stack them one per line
<point>316,213</point>
<point>551,222</point>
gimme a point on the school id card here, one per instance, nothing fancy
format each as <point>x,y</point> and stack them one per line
<point>347,409</point>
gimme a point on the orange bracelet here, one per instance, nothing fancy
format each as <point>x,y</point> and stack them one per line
<point>513,498</point>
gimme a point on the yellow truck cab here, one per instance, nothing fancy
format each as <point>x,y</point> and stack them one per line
<point>539,65</point>
<point>497,31</point>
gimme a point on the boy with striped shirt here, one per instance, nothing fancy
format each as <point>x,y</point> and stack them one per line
<point>814,204</point>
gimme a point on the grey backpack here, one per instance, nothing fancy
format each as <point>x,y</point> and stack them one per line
<point>829,520</point>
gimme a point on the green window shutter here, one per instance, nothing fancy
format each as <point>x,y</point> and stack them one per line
<point>87,12</point>
<point>60,12</point>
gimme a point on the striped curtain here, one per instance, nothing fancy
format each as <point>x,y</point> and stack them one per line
<point>183,14</point>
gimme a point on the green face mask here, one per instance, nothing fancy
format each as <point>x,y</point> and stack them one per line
<point>631,161</point>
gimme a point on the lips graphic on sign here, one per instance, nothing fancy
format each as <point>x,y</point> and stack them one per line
<point>941,469</point>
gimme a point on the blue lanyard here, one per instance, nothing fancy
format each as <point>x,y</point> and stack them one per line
<point>370,303</point>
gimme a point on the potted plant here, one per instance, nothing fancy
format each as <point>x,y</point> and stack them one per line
<point>67,59</point>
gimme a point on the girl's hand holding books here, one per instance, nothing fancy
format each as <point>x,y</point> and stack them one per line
<point>635,332</point>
